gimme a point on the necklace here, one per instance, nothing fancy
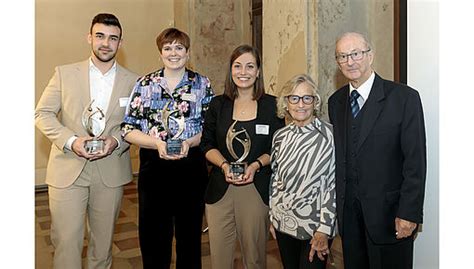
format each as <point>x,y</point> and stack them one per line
<point>244,108</point>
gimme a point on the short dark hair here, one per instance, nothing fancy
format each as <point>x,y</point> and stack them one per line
<point>172,34</point>
<point>107,19</point>
<point>230,89</point>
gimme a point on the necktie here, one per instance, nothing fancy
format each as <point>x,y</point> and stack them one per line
<point>354,105</point>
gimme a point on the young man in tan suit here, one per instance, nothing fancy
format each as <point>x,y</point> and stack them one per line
<point>83,184</point>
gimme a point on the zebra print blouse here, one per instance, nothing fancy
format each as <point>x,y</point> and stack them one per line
<point>302,187</point>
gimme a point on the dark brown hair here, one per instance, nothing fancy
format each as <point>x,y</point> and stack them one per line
<point>107,19</point>
<point>230,89</point>
<point>172,34</point>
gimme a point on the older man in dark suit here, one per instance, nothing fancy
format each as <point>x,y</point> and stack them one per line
<point>380,161</point>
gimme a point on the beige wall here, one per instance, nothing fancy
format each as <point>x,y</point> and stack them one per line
<point>299,37</point>
<point>215,27</point>
<point>381,34</point>
<point>284,41</point>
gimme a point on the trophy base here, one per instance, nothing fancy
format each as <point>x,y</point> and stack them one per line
<point>173,146</point>
<point>94,146</point>
<point>237,169</point>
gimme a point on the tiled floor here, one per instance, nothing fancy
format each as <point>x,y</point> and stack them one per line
<point>126,253</point>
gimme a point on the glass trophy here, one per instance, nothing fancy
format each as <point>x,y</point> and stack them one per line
<point>93,121</point>
<point>237,168</point>
<point>174,142</point>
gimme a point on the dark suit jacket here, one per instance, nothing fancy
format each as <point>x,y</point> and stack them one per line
<point>391,156</point>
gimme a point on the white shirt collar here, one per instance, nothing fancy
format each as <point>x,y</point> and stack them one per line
<point>364,89</point>
<point>95,69</point>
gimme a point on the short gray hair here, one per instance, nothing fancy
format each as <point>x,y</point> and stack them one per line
<point>362,36</point>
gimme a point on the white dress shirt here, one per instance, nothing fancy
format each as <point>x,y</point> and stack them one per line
<point>363,90</point>
<point>100,86</point>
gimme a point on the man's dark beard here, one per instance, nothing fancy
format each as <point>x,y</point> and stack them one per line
<point>102,60</point>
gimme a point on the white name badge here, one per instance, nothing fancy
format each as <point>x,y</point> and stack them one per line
<point>188,97</point>
<point>123,101</point>
<point>262,129</point>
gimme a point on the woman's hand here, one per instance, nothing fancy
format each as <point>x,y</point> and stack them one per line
<point>319,244</point>
<point>272,231</point>
<point>184,149</point>
<point>161,147</point>
<point>229,177</point>
<point>248,175</point>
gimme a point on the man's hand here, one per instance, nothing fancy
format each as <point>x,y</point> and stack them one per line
<point>110,144</point>
<point>78,147</point>
<point>404,228</point>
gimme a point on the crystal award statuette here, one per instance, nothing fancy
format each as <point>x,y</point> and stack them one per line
<point>173,144</point>
<point>238,167</point>
<point>93,121</point>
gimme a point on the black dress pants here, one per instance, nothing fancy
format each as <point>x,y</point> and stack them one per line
<point>360,252</point>
<point>171,202</point>
<point>294,253</point>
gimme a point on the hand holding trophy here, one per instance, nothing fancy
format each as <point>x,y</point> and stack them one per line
<point>238,167</point>
<point>93,121</point>
<point>174,143</point>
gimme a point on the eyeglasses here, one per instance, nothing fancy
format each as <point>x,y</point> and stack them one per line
<point>356,56</point>
<point>295,99</point>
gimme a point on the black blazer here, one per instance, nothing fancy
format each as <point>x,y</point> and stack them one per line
<point>216,123</point>
<point>391,156</point>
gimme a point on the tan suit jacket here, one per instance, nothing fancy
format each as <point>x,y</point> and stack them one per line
<point>58,116</point>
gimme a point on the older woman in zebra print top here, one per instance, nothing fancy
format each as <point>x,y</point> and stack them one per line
<point>302,189</point>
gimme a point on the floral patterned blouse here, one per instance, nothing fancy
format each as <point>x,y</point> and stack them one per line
<point>191,98</point>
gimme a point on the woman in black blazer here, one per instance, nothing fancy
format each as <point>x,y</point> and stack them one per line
<point>237,206</point>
